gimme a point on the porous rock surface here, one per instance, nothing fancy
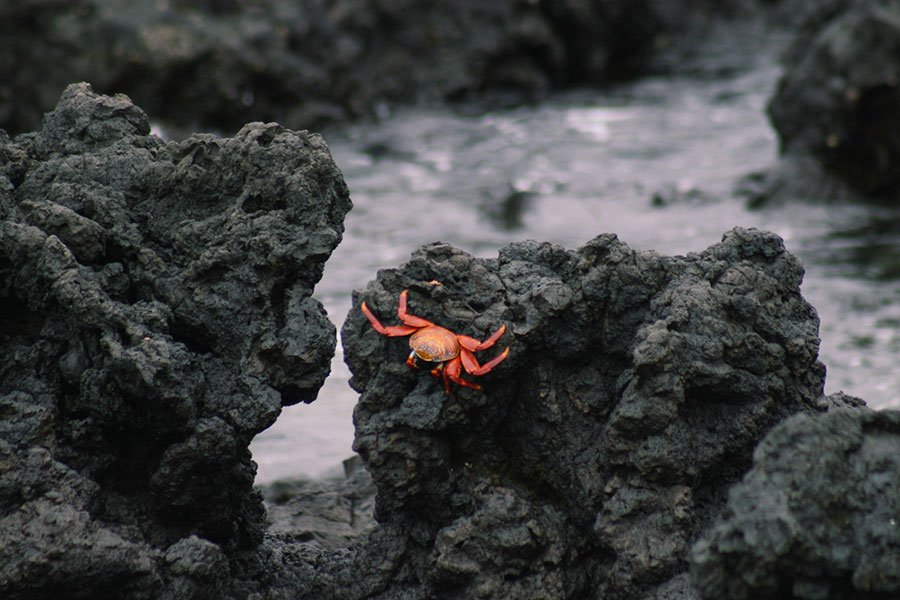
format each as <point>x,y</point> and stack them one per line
<point>636,388</point>
<point>155,314</point>
<point>837,101</point>
<point>817,517</point>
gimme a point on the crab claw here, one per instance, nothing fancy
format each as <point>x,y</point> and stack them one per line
<point>391,330</point>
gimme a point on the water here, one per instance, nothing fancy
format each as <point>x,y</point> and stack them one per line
<point>584,164</point>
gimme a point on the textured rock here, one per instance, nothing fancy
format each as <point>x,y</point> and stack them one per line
<point>155,314</point>
<point>636,388</point>
<point>817,517</point>
<point>839,96</point>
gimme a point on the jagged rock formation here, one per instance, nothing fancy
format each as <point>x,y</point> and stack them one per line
<point>818,515</point>
<point>155,314</point>
<point>603,447</point>
<point>838,99</point>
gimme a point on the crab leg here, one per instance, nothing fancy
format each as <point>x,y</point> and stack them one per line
<point>391,330</point>
<point>441,373</point>
<point>409,319</point>
<point>470,363</point>
<point>470,343</point>
<point>452,371</point>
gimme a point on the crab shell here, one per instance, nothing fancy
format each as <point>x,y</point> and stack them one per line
<point>434,344</point>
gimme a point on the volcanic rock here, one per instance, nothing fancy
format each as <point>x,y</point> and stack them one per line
<point>155,314</point>
<point>839,98</point>
<point>818,515</point>
<point>636,388</point>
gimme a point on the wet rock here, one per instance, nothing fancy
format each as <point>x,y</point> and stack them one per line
<point>331,514</point>
<point>635,391</point>
<point>838,98</point>
<point>155,314</point>
<point>221,64</point>
<point>818,515</point>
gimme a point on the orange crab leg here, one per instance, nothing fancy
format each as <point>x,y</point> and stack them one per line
<point>407,318</point>
<point>391,330</point>
<point>441,373</point>
<point>470,363</point>
<point>470,343</point>
<point>452,371</point>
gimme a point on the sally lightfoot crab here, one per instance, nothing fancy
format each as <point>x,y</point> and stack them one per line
<point>432,343</point>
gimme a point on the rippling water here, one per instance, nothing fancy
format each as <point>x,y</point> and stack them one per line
<point>581,165</point>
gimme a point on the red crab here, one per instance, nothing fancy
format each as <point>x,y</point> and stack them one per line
<point>432,343</point>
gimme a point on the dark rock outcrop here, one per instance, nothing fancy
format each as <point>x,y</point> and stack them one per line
<point>222,63</point>
<point>839,98</point>
<point>636,389</point>
<point>817,517</point>
<point>155,314</point>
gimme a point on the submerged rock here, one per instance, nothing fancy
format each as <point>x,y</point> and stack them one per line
<point>818,515</point>
<point>155,314</point>
<point>635,391</point>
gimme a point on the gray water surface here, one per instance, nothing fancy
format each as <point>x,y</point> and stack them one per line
<point>581,165</point>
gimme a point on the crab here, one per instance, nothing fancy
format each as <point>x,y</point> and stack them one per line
<point>452,352</point>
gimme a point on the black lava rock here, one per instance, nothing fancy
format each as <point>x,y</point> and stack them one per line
<point>817,517</point>
<point>839,98</point>
<point>635,391</point>
<point>155,314</point>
